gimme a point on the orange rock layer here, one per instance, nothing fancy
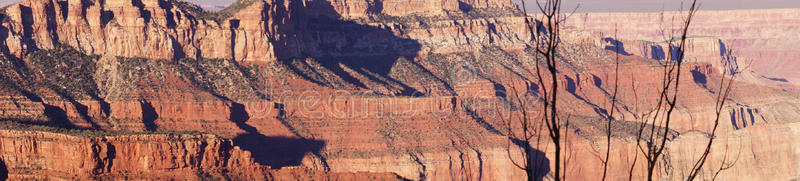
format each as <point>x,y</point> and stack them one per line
<point>53,156</point>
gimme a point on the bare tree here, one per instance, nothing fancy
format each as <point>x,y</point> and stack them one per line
<point>657,121</point>
<point>527,136</point>
<point>545,31</point>
<point>726,163</point>
<point>654,130</point>
<point>610,116</point>
<point>730,69</point>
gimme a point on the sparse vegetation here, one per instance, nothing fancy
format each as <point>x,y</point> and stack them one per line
<point>87,133</point>
<point>232,9</point>
<point>218,16</point>
<point>64,70</point>
<point>224,78</point>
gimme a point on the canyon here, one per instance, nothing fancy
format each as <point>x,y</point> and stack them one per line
<point>768,52</point>
<point>371,89</point>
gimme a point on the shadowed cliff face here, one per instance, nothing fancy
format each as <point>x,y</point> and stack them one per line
<point>341,46</point>
<point>278,152</point>
<point>3,170</point>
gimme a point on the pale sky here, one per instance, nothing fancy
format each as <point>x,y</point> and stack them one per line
<point>607,5</point>
<point>669,5</point>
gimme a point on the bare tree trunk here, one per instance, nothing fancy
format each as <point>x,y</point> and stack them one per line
<point>610,117</point>
<point>658,120</point>
<point>545,39</point>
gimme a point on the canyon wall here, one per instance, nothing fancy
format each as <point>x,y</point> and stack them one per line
<point>59,156</point>
<point>769,52</point>
<point>44,155</point>
<point>259,31</point>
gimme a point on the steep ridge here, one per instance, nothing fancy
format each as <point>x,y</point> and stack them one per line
<point>346,86</point>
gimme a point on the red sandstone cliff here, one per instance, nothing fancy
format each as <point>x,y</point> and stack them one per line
<point>54,156</point>
<point>44,155</point>
<point>261,31</point>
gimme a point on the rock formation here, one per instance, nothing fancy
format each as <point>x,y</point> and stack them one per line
<point>260,31</point>
<point>48,155</point>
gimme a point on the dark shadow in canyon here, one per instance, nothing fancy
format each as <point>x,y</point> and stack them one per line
<point>728,59</point>
<point>3,170</point>
<point>146,15</point>
<point>677,54</point>
<point>500,90</point>
<point>745,115</point>
<point>479,155</point>
<point>652,51</point>
<point>464,6</point>
<point>616,46</point>
<point>106,17</point>
<point>106,162</point>
<point>657,53</point>
<point>58,117</point>
<point>63,8</point>
<point>537,160</point>
<point>169,15</point>
<point>775,79</point>
<point>83,111</point>
<point>276,152</point>
<point>149,115</point>
<point>598,82</point>
<point>571,87</point>
<point>422,175</point>
<point>699,77</point>
<point>27,22</point>
<point>480,121</point>
<point>27,27</point>
<point>323,44</point>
